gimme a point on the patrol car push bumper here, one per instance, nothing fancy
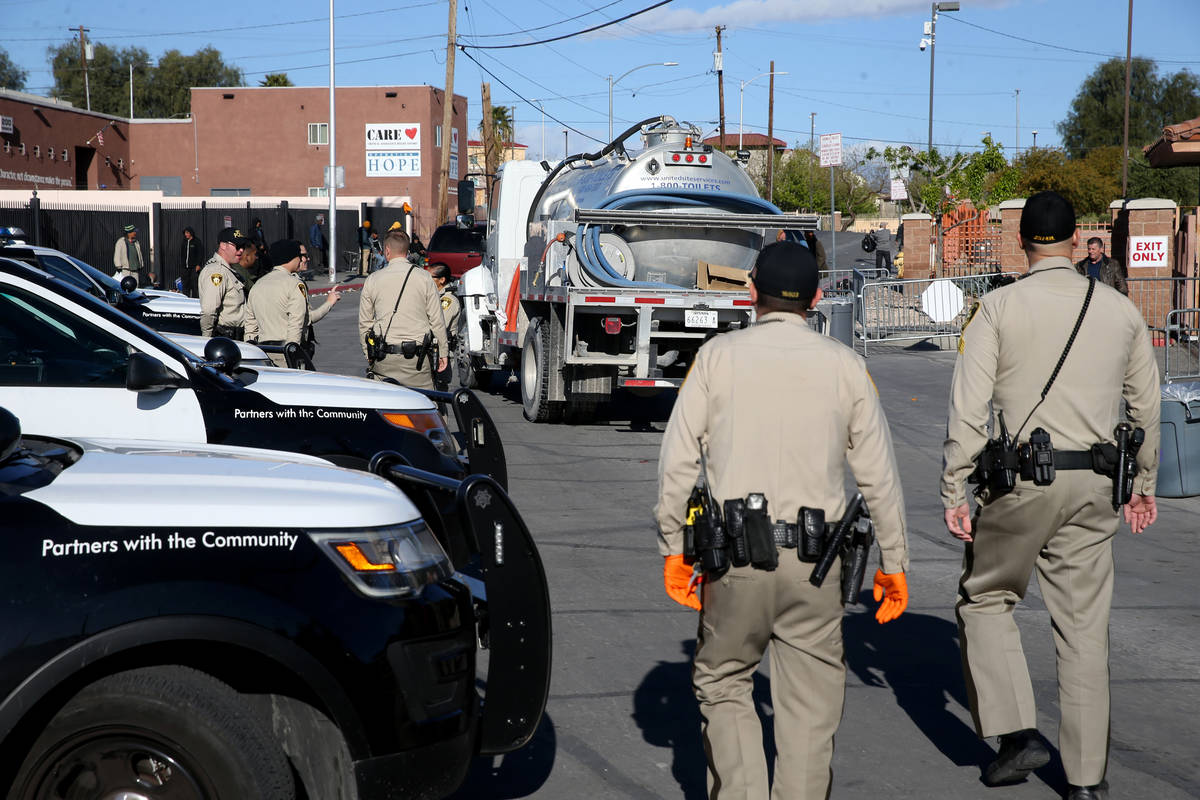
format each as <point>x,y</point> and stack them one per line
<point>482,526</point>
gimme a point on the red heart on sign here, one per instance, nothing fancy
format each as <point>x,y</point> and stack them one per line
<point>410,132</point>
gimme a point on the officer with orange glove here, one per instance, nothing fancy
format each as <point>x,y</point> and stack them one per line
<point>780,411</point>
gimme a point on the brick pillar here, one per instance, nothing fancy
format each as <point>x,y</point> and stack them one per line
<point>1012,257</point>
<point>918,245</point>
<point>1149,252</point>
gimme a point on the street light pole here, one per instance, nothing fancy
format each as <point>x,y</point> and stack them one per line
<point>812,146</point>
<point>932,41</point>
<point>612,82</point>
<point>741,93</point>
<point>1035,138</point>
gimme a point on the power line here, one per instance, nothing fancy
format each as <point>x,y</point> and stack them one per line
<point>962,21</point>
<point>500,81</point>
<point>543,27</point>
<point>566,35</point>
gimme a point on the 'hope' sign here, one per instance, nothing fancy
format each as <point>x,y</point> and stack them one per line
<point>1148,251</point>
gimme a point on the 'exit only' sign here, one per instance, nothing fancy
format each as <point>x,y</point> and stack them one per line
<point>1148,251</point>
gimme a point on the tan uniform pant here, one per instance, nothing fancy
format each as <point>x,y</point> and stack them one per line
<point>405,370</point>
<point>1064,531</point>
<point>744,611</point>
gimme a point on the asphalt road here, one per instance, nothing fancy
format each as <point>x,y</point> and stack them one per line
<point>621,720</point>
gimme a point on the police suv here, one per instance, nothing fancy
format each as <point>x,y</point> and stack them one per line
<point>169,312</point>
<point>71,365</point>
<point>305,636</point>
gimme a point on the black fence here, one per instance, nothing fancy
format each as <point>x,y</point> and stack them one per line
<point>90,233</point>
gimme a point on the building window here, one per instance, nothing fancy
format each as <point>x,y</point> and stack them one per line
<point>318,133</point>
<point>229,192</point>
<point>169,185</point>
<point>318,191</point>
<point>437,136</point>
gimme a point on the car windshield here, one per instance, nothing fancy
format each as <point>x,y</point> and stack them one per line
<point>456,240</point>
<point>109,283</point>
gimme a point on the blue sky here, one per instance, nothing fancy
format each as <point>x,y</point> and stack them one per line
<point>856,63</point>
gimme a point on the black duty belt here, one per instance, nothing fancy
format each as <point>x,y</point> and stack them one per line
<point>1073,459</point>
<point>786,534</point>
<point>274,342</point>
<point>398,349</point>
<point>228,331</point>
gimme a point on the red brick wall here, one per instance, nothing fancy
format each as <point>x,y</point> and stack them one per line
<point>918,234</point>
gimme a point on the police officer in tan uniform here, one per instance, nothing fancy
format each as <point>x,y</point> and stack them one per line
<point>451,307</point>
<point>277,309</point>
<point>222,293</point>
<point>399,305</point>
<point>781,410</point>
<point>1062,529</point>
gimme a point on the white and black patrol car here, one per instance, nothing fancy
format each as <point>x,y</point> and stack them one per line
<point>71,365</point>
<point>305,636</point>
<point>169,312</point>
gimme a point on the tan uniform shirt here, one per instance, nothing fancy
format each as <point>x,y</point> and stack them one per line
<point>1008,349</point>
<point>222,296</point>
<point>419,311</point>
<point>783,410</point>
<point>451,309</point>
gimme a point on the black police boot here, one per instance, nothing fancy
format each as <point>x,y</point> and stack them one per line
<point>1020,753</point>
<point>1097,792</point>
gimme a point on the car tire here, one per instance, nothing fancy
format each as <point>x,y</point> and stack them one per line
<point>535,374</point>
<point>172,730</point>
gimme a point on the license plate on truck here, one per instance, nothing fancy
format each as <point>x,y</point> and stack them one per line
<point>699,319</point>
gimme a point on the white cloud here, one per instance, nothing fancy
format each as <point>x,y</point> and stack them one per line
<point>747,13</point>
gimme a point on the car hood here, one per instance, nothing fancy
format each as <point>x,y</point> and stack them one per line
<point>195,346</point>
<point>293,387</point>
<point>124,482</point>
<point>171,303</point>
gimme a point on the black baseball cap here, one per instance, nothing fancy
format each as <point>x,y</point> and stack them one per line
<point>1047,218</point>
<point>283,251</point>
<point>233,236</point>
<point>786,270</point>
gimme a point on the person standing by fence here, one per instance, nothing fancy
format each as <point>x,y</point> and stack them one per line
<point>192,255</point>
<point>1099,266</point>
<point>127,257</point>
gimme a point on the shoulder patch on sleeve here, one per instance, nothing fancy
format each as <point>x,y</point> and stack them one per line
<point>303,289</point>
<point>215,278</point>
<point>446,301</point>
<point>970,316</point>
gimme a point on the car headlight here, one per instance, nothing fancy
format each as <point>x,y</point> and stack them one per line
<point>395,561</point>
<point>427,423</point>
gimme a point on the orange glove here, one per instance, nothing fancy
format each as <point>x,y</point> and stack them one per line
<point>677,580</point>
<point>895,587</point>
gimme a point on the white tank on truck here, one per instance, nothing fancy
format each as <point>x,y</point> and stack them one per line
<point>610,269</point>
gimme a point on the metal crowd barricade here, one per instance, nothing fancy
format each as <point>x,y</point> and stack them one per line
<point>1180,344</point>
<point>841,282</point>
<point>891,310</point>
<point>1157,297</point>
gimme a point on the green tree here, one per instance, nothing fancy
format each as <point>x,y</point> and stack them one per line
<point>276,79</point>
<point>1089,183</point>
<point>857,183</point>
<point>1096,117</point>
<point>11,76</point>
<point>161,91</point>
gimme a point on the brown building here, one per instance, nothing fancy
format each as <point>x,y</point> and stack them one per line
<point>46,144</point>
<point>511,151</point>
<point>241,142</point>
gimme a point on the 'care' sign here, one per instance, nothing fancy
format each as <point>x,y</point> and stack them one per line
<point>1148,251</point>
<point>393,149</point>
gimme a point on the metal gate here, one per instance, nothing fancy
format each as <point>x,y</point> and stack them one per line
<point>970,242</point>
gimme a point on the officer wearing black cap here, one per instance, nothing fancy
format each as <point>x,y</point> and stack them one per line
<point>222,292</point>
<point>277,309</point>
<point>1052,355</point>
<point>780,410</point>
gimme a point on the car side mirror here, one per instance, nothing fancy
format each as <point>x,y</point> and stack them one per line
<point>148,374</point>
<point>464,222</point>
<point>128,284</point>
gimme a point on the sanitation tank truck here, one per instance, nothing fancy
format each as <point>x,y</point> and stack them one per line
<point>610,269</point>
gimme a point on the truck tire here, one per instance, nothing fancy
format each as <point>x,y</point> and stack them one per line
<point>175,730</point>
<point>535,374</point>
<point>463,365</point>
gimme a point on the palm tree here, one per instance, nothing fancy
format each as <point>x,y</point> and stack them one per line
<point>502,134</point>
<point>276,79</point>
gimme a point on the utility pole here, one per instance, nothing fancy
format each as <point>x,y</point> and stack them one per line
<point>719,65</point>
<point>812,157</point>
<point>771,137</point>
<point>1017,151</point>
<point>447,115</point>
<point>489,144</point>
<point>1128,79</point>
<point>87,91</point>
<point>331,180</point>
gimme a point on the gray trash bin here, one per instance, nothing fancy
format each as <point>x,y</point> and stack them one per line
<point>840,311</point>
<point>1179,454</point>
